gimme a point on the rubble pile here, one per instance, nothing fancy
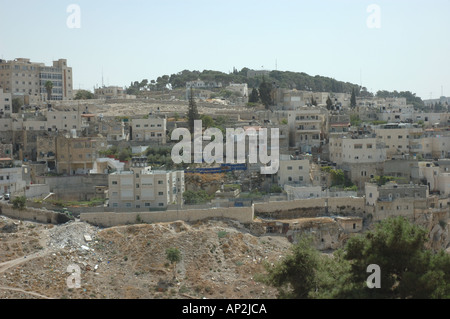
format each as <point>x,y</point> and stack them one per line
<point>219,260</point>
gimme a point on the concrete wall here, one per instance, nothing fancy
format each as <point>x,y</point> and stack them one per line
<point>242,214</point>
<point>33,214</point>
<point>80,187</point>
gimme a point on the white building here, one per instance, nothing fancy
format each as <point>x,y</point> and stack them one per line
<point>149,130</point>
<point>143,188</point>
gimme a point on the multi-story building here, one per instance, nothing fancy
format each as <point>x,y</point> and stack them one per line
<point>392,199</point>
<point>151,129</point>
<point>144,188</point>
<point>360,156</point>
<point>13,178</point>
<point>69,155</point>
<point>5,104</point>
<point>25,79</point>
<point>307,128</point>
<point>397,138</point>
<point>293,172</point>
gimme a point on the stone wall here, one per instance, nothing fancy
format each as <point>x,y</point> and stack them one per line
<point>109,219</point>
<point>314,207</point>
<point>33,214</point>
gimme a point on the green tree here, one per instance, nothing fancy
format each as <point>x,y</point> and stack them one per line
<point>173,255</point>
<point>197,197</point>
<point>295,276</point>
<point>265,93</point>
<point>329,103</point>
<point>254,96</point>
<point>84,95</point>
<point>408,269</point>
<point>353,99</point>
<point>192,111</point>
<point>17,103</point>
<point>19,202</point>
<point>355,120</point>
<point>207,121</point>
<point>49,87</point>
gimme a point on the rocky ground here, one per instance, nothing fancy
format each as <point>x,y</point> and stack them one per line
<point>219,260</point>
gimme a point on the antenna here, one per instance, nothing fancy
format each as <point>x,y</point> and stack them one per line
<point>276,65</point>
<point>102,78</point>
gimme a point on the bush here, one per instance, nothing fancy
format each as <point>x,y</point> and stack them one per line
<point>19,202</point>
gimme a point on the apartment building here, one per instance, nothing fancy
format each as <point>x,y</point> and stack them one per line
<point>64,121</point>
<point>394,199</point>
<point>69,155</point>
<point>353,149</point>
<point>25,79</point>
<point>293,172</point>
<point>5,104</point>
<point>436,177</point>
<point>360,156</point>
<point>397,138</point>
<point>109,92</point>
<point>13,178</point>
<point>151,129</point>
<point>307,128</point>
<point>145,189</point>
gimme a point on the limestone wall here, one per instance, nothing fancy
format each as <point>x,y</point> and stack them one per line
<point>109,219</point>
<point>33,214</point>
<point>313,207</point>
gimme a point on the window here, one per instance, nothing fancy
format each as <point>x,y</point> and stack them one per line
<point>160,204</point>
<point>160,182</point>
<point>354,226</point>
<point>114,182</point>
<point>128,205</point>
<point>138,197</point>
<point>115,205</point>
<point>137,185</point>
<point>147,204</point>
<point>289,168</point>
<point>160,193</point>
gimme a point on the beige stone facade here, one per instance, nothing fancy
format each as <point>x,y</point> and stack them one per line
<point>25,79</point>
<point>144,188</point>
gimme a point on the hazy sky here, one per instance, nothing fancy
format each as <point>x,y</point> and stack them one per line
<point>142,39</point>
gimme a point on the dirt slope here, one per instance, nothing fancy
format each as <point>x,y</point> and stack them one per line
<point>219,260</point>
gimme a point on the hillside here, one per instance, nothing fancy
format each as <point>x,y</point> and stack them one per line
<point>219,260</point>
<point>283,79</point>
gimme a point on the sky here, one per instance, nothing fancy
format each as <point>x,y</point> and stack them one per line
<point>401,45</point>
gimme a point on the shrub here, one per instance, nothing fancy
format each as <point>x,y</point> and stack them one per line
<point>19,202</point>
